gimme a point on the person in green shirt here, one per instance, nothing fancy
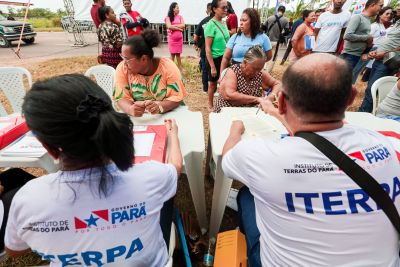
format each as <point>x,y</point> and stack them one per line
<point>217,36</point>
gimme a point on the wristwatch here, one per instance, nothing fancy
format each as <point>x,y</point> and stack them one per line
<point>161,109</point>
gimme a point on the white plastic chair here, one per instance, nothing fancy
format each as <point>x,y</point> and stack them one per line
<point>12,84</point>
<point>381,87</point>
<point>104,76</point>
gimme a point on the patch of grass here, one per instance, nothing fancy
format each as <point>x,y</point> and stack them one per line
<point>42,23</point>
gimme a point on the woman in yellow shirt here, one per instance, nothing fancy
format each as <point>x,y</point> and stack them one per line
<point>145,83</point>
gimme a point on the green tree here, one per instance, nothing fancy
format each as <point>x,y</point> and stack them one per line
<point>61,13</point>
<point>393,3</point>
<point>11,11</point>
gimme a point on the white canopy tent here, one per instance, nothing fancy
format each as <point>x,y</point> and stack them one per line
<point>192,11</point>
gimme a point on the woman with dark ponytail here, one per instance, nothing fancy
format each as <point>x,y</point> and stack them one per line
<point>98,209</point>
<point>145,83</point>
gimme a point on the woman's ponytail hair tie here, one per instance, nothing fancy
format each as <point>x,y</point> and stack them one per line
<point>90,108</point>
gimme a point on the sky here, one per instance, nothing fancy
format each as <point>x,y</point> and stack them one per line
<point>52,4</point>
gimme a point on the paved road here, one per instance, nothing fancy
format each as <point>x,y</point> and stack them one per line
<point>50,45</point>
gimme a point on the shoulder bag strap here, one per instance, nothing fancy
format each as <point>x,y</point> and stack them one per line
<point>278,20</point>
<point>272,25</point>
<point>219,29</point>
<point>357,174</point>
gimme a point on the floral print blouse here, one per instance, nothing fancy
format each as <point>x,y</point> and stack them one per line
<point>165,84</point>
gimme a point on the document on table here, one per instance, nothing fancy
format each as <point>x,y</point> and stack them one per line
<point>5,124</point>
<point>139,128</point>
<point>143,144</point>
<point>26,146</point>
<point>256,126</point>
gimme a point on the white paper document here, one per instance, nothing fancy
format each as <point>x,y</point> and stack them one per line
<point>139,128</point>
<point>4,124</point>
<point>256,126</point>
<point>143,143</point>
<point>27,146</point>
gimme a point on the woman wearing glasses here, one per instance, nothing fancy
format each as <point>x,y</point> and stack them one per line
<point>217,36</point>
<point>110,36</point>
<point>244,83</point>
<point>144,83</point>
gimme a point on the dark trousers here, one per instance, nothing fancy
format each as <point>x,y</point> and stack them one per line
<point>166,215</point>
<point>204,73</point>
<point>12,180</point>
<point>248,226</point>
<point>378,70</point>
<point>351,59</point>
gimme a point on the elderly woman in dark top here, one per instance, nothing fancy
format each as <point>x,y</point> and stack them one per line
<point>244,84</point>
<point>110,36</point>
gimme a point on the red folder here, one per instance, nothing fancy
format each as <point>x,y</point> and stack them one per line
<point>159,149</point>
<point>10,133</point>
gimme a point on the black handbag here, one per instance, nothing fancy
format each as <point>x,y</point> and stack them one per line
<point>357,174</point>
<point>392,60</point>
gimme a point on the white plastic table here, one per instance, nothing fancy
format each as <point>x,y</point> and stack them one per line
<point>191,137</point>
<point>46,162</point>
<point>219,124</point>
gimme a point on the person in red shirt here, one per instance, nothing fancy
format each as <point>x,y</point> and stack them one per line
<point>132,21</point>
<point>94,11</point>
<point>231,20</point>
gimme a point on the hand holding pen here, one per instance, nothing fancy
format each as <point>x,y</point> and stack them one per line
<point>266,95</point>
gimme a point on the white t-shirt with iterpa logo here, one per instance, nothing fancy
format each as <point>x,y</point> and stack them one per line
<point>308,212</point>
<point>61,217</point>
<point>330,26</point>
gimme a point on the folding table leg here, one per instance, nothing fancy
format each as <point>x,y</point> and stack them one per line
<point>195,175</point>
<point>222,185</point>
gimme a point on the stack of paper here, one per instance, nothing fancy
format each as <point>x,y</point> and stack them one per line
<point>27,146</point>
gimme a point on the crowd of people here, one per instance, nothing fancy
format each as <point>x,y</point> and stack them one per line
<point>296,208</point>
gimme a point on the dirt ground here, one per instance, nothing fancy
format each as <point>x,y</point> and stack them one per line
<point>196,101</point>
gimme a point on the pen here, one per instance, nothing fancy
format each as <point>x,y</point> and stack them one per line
<point>266,95</point>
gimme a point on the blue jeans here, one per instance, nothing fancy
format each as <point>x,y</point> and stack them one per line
<point>359,67</point>
<point>351,59</point>
<point>378,70</point>
<point>248,226</point>
<point>204,73</point>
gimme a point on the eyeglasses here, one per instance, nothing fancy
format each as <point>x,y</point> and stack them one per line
<point>125,59</point>
<point>224,7</point>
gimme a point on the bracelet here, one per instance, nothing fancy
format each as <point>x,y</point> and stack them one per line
<point>161,109</point>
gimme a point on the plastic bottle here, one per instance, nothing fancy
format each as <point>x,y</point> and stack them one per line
<point>208,259</point>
